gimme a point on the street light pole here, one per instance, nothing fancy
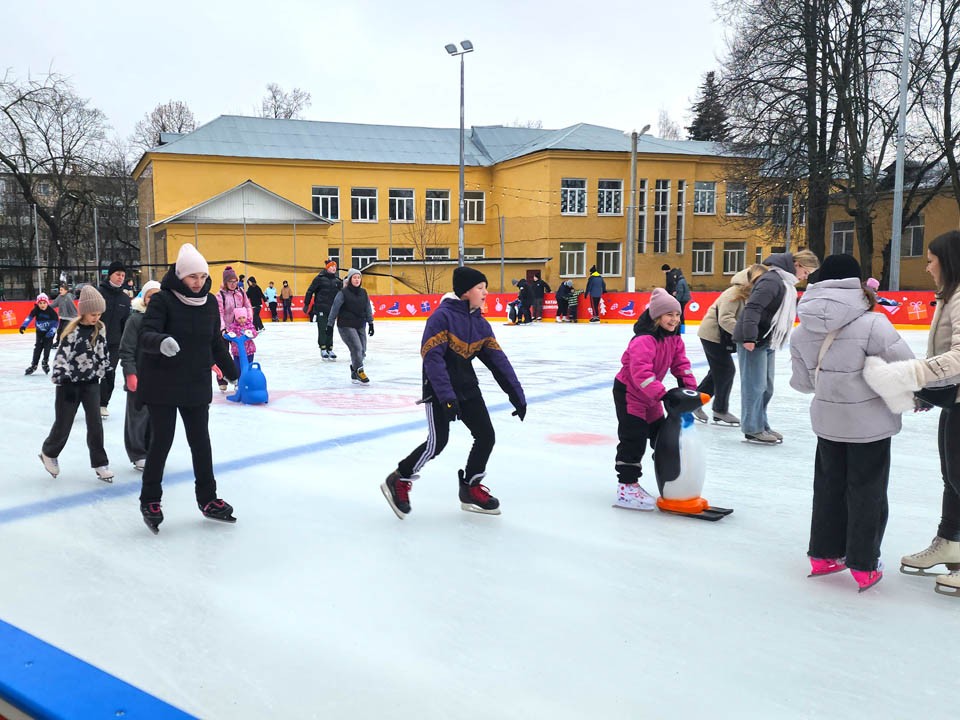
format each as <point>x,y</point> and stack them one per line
<point>630,247</point>
<point>465,47</point>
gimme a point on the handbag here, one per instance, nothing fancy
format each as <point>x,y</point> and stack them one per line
<point>726,339</point>
<point>945,397</point>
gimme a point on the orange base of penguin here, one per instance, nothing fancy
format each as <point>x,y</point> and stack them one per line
<point>691,506</point>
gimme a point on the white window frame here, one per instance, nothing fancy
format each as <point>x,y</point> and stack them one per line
<point>573,193</point>
<point>474,253</point>
<point>704,197</point>
<point>573,259</point>
<point>401,205</point>
<point>702,258</point>
<point>911,244</point>
<point>778,211</point>
<point>610,198</point>
<point>842,235</point>
<point>437,208</point>
<point>737,202</point>
<point>642,216</point>
<point>681,215</point>
<point>324,203</point>
<point>436,254</point>
<point>474,207</point>
<point>610,258</point>
<point>661,217</point>
<point>401,255</point>
<point>734,257</point>
<point>333,253</point>
<point>361,257</point>
<point>361,205</point>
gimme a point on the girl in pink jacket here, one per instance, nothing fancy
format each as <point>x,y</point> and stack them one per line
<point>638,389</point>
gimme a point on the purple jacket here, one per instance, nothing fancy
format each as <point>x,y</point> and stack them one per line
<point>454,336</point>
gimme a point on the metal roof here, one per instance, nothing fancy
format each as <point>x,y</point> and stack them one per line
<point>238,136</point>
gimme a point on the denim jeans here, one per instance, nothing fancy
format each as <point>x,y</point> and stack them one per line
<point>756,387</point>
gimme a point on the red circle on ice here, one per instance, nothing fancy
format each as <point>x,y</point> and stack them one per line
<point>580,439</point>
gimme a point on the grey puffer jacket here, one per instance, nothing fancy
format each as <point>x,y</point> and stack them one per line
<point>844,408</point>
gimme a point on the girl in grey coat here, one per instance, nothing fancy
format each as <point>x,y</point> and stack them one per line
<point>853,425</point>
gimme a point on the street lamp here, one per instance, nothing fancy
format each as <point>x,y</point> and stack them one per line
<point>465,47</point>
<point>632,211</point>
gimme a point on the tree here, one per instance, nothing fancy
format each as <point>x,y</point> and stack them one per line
<point>172,116</point>
<point>709,115</point>
<point>422,236</point>
<point>667,129</point>
<point>287,105</point>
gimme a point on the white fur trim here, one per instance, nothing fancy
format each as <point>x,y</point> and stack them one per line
<point>894,382</point>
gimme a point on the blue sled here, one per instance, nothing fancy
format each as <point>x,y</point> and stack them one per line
<point>252,386</point>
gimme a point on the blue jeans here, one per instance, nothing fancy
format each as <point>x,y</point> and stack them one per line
<point>756,387</point>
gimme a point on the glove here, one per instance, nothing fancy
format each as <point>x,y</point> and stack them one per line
<point>370,330</point>
<point>132,383</point>
<point>248,333</point>
<point>894,382</point>
<point>52,333</point>
<point>521,407</point>
<point>22,330</point>
<point>231,334</point>
<point>169,346</point>
<point>452,410</point>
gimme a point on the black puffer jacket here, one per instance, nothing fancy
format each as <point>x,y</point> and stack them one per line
<point>117,312</point>
<point>322,291</point>
<point>184,379</point>
<point>764,301</point>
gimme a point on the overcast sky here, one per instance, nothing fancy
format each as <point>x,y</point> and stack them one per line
<point>614,63</point>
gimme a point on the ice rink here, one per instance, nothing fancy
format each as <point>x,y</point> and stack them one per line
<point>320,603</point>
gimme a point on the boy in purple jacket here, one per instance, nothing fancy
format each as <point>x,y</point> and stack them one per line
<point>456,333</point>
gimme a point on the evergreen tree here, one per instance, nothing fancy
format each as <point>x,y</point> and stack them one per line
<point>709,115</point>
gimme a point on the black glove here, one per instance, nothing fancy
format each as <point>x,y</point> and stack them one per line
<point>521,407</point>
<point>370,330</point>
<point>22,330</point>
<point>452,410</point>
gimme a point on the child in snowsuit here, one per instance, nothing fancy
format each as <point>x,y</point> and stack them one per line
<point>656,348</point>
<point>563,299</point>
<point>351,311</point>
<point>853,424</point>
<point>80,364</point>
<point>241,325</point>
<point>46,321</point>
<point>454,335</point>
<point>179,342</point>
<point>136,423</point>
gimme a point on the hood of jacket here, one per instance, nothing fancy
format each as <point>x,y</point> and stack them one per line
<point>784,261</point>
<point>741,278</point>
<point>832,304</point>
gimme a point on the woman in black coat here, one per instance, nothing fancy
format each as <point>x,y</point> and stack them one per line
<point>180,340</point>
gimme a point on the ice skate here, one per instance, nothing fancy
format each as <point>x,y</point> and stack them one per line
<point>826,566</point>
<point>139,464</point>
<point>396,490</point>
<point>30,370</point>
<point>324,354</point>
<point>948,584</point>
<point>867,579</point>
<point>700,415</point>
<point>353,376</point>
<point>104,412</point>
<point>52,465</point>
<point>475,497</point>
<point>104,473</point>
<point>218,510</point>
<point>940,552</point>
<point>633,497</point>
<point>331,355</point>
<point>728,419</point>
<point>152,516</point>
<point>46,369</point>
<point>222,384</point>
<point>777,435</point>
<point>763,437</point>
<point>362,376</point>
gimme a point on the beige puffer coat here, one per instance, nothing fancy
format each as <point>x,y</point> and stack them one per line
<point>724,311</point>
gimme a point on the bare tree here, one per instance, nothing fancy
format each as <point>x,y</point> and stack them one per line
<point>172,116</point>
<point>287,105</point>
<point>422,236</point>
<point>531,124</point>
<point>667,129</point>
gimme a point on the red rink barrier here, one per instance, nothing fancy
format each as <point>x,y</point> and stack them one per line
<point>915,309</point>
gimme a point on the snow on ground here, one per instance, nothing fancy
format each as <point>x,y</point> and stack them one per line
<point>320,603</point>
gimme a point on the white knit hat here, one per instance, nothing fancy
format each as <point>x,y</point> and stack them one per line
<point>190,261</point>
<point>148,286</point>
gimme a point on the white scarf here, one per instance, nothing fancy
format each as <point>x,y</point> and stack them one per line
<point>198,301</point>
<point>782,323</point>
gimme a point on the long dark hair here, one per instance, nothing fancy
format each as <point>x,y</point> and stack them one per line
<point>946,248</point>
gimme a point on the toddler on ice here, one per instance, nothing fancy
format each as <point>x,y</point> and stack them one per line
<point>242,325</point>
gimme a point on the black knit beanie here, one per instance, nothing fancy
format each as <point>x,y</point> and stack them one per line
<point>838,267</point>
<point>465,278</point>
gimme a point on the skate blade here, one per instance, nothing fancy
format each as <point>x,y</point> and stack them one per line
<point>867,587</point>
<point>641,509</point>
<point>920,572</point>
<point>477,509</point>
<point>724,423</point>
<point>386,493</point>
<point>828,572</point>
<point>230,520</point>
<point>946,590</point>
<point>155,529</point>
<point>52,474</point>
<point>761,443</point>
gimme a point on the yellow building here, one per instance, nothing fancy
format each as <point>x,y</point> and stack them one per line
<point>276,198</point>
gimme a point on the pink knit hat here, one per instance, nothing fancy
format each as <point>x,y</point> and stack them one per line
<point>662,302</point>
<point>873,284</point>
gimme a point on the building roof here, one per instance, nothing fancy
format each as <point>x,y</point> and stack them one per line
<point>238,136</point>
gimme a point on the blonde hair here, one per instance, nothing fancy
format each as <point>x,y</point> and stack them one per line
<point>753,272</point>
<point>806,258</point>
<point>75,322</point>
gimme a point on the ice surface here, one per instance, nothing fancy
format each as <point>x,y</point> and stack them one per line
<point>320,603</point>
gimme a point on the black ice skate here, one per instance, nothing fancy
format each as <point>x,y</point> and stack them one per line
<point>30,370</point>
<point>46,369</point>
<point>474,497</point>
<point>218,510</point>
<point>152,516</point>
<point>397,492</point>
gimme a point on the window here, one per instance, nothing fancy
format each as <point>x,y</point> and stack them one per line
<point>704,198</point>
<point>573,196</point>
<point>642,216</point>
<point>759,257</point>
<point>474,253</point>
<point>437,253</point>
<point>736,199</point>
<point>610,197</point>
<point>363,257</point>
<point>438,206</point>
<point>44,188</point>
<point>573,259</point>
<point>363,204</point>
<point>841,238</point>
<point>911,242</point>
<point>734,257</point>
<point>401,254</point>
<point>778,212</point>
<point>326,202</point>
<point>608,258</point>
<point>661,216</point>
<point>800,216</point>
<point>473,206</point>
<point>401,205</point>
<point>702,258</point>
<point>681,213</point>
<point>334,254</point>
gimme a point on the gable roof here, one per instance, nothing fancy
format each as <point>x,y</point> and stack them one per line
<point>247,203</point>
